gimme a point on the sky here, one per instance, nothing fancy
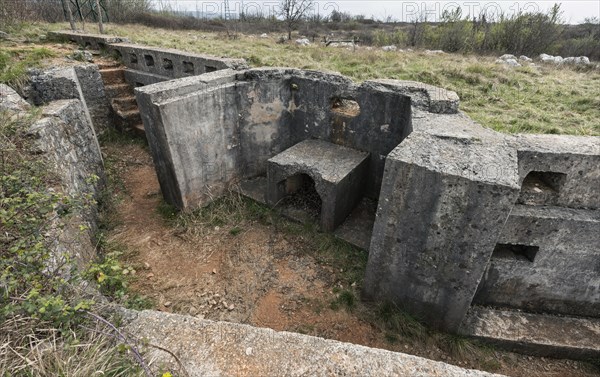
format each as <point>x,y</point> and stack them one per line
<point>573,11</point>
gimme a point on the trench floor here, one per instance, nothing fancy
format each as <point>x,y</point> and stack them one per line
<point>268,275</point>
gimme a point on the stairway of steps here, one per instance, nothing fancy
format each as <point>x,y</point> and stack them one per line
<point>122,99</point>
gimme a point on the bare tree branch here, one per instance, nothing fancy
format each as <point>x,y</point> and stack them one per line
<point>293,11</point>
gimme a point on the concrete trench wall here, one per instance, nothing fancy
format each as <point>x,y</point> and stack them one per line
<point>66,139</point>
<point>449,190</point>
<point>210,132</point>
<point>151,62</point>
<point>460,219</point>
<point>65,135</point>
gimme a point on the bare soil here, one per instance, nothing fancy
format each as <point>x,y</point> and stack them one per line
<point>257,274</point>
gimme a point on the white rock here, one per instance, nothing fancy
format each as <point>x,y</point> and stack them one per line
<point>434,52</point>
<point>11,100</point>
<point>545,58</point>
<point>508,62</point>
<point>525,58</point>
<point>508,57</point>
<point>580,60</point>
<point>389,48</point>
<point>302,42</point>
<point>264,35</point>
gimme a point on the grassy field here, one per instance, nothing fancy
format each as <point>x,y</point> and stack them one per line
<point>531,100</point>
<point>546,99</point>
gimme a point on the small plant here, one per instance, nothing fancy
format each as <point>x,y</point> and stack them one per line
<point>113,278</point>
<point>344,299</point>
<point>167,211</point>
<point>235,231</point>
<point>397,321</point>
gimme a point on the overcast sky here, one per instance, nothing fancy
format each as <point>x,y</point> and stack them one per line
<point>573,11</point>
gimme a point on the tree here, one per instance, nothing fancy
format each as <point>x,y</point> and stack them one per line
<point>100,24</point>
<point>293,11</point>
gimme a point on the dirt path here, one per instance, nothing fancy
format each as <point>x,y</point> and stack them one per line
<point>253,273</point>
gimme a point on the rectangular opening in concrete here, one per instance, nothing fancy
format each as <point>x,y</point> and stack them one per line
<point>188,68</point>
<point>515,252</point>
<point>168,64</point>
<point>301,196</point>
<point>149,60</point>
<point>133,58</point>
<point>345,106</point>
<point>541,188</point>
<point>208,68</point>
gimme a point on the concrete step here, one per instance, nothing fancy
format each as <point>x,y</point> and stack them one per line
<point>138,130</point>
<point>113,76</point>
<point>118,90</point>
<point>103,65</point>
<point>534,334</point>
<point>124,104</point>
<point>130,117</point>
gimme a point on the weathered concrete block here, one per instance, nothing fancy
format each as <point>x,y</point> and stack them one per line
<point>82,82</point>
<point>338,173</point>
<point>66,134</point>
<point>547,260</point>
<point>564,169</point>
<point>443,202</point>
<point>196,146</point>
<point>68,141</point>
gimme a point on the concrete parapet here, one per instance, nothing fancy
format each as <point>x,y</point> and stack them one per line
<point>207,348</point>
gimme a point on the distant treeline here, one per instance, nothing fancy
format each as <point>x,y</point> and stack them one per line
<point>527,33</point>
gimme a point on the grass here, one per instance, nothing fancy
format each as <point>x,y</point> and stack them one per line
<point>15,61</point>
<point>32,348</point>
<point>547,99</point>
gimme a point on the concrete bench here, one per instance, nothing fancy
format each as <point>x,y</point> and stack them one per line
<point>338,173</point>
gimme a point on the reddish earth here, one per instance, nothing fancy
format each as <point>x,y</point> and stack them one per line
<point>257,274</point>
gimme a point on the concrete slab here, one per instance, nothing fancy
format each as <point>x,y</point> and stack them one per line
<point>535,334</point>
